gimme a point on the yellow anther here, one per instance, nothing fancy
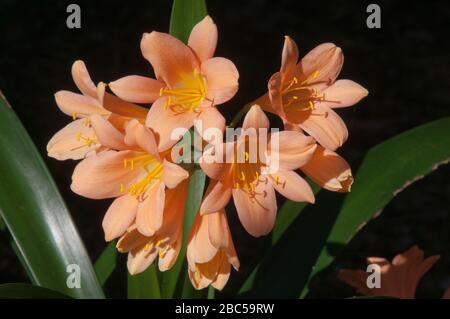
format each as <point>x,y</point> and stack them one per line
<point>74,116</point>
<point>246,156</point>
<point>147,247</point>
<point>122,188</point>
<point>125,163</point>
<point>242,176</point>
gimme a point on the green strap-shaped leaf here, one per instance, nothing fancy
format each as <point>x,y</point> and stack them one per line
<point>27,291</point>
<point>106,263</point>
<point>144,285</point>
<point>387,169</point>
<point>36,215</point>
<point>186,14</point>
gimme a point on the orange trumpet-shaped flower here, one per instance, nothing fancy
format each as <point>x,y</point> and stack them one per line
<point>133,170</point>
<point>165,243</point>
<point>252,180</point>
<point>304,94</point>
<point>190,81</point>
<point>78,138</point>
<point>399,279</point>
<point>210,251</point>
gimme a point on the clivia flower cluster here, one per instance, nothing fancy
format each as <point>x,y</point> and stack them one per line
<point>126,149</point>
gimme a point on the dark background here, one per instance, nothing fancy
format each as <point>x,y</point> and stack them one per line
<point>405,66</point>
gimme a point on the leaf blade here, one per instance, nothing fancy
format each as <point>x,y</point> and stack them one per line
<point>106,263</point>
<point>144,285</point>
<point>36,215</point>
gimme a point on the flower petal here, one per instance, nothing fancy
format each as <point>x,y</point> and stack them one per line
<point>142,137</point>
<point>165,122</point>
<point>276,97</point>
<point>170,256</point>
<point>139,260</point>
<point>107,134</point>
<point>150,212</point>
<point>213,163</point>
<point>255,118</point>
<point>329,170</point>
<point>200,248</point>
<point>289,58</point>
<point>221,79</point>
<point>326,127</point>
<point>137,89</point>
<point>101,175</point>
<point>131,240</point>
<point>257,214</point>
<point>82,79</point>
<point>223,274</point>
<point>173,174</point>
<point>292,186</point>
<point>217,197</point>
<point>209,124</point>
<point>71,142</point>
<point>290,149</point>
<point>203,39</point>
<point>170,58</point>
<point>321,64</point>
<point>77,105</point>
<point>344,93</point>
<point>218,230</point>
<point>119,216</point>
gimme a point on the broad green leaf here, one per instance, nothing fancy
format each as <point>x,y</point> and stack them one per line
<point>144,285</point>
<point>186,14</point>
<point>387,169</point>
<point>36,215</point>
<point>106,263</point>
<point>173,282</point>
<point>27,291</point>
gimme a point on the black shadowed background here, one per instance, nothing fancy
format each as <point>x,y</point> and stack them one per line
<point>404,65</point>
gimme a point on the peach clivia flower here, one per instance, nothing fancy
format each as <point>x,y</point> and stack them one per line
<point>132,170</point>
<point>305,93</point>
<point>399,278</point>
<point>210,251</point>
<point>251,179</point>
<point>189,82</point>
<point>78,138</point>
<point>165,243</point>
